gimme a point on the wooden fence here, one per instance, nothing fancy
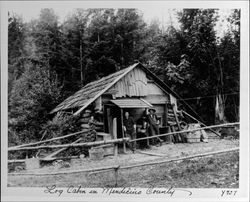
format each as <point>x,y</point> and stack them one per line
<point>116,168</point>
<point>114,141</point>
<point>30,146</point>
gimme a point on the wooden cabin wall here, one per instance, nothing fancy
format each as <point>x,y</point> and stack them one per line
<point>158,98</point>
<point>155,95</point>
<point>134,84</point>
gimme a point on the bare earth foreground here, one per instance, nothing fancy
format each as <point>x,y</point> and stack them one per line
<point>221,170</point>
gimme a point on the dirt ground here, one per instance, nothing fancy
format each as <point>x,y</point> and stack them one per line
<point>216,171</point>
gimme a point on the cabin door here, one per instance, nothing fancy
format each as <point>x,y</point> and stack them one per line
<point>111,112</point>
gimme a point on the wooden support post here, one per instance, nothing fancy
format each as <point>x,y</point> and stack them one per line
<point>105,117</point>
<point>116,176</point>
<point>115,135</point>
<point>179,136</point>
<point>171,137</point>
<point>176,118</point>
<point>166,114</point>
<point>175,135</point>
<point>124,144</point>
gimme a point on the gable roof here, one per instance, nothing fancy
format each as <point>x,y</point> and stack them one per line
<point>92,91</point>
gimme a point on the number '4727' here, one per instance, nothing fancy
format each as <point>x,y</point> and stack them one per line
<point>228,193</point>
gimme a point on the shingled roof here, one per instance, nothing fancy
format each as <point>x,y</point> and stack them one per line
<point>92,91</point>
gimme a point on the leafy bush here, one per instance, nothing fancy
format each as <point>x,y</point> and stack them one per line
<point>62,124</point>
<point>33,96</point>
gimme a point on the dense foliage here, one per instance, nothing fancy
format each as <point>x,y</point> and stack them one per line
<point>49,61</point>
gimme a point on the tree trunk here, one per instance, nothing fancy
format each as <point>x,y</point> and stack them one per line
<point>81,65</point>
<point>219,110</point>
<point>122,58</point>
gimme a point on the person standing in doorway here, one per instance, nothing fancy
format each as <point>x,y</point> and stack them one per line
<point>129,128</point>
<point>142,131</point>
<point>154,124</point>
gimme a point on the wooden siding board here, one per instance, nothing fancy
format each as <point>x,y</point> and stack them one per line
<point>133,84</point>
<point>131,103</point>
<point>157,99</point>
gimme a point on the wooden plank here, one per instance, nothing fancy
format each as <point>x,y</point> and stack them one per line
<point>84,144</point>
<point>166,115</point>
<point>115,135</point>
<point>49,140</point>
<point>180,136</point>
<point>124,144</point>
<point>149,153</point>
<point>51,156</point>
<point>156,99</point>
<point>16,161</point>
<point>109,120</point>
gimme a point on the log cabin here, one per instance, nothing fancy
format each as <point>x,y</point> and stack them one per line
<point>134,89</point>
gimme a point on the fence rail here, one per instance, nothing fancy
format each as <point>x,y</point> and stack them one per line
<point>116,167</point>
<point>85,144</point>
<point>49,140</point>
<point>187,131</point>
<point>114,141</point>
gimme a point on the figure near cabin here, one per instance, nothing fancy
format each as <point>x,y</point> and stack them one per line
<point>142,131</point>
<point>92,134</point>
<point>153,122</point>
<point>129,128</point>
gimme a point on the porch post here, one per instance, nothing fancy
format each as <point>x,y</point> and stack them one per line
<point>115,135</point>
<point>124,143</point>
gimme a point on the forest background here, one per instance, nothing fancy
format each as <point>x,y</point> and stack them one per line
<point>49,60</point>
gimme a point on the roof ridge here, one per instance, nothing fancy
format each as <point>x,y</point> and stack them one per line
<point>105,77</point>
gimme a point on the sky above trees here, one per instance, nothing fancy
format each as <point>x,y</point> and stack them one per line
<point>164,12</point>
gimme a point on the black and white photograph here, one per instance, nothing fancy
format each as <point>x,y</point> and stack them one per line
<point>131,99</point>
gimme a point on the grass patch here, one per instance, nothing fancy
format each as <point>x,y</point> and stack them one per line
<point>218,171</point>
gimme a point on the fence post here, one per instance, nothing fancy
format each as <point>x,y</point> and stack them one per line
<point>115,135</point>
<point>116,175</point>
<point>123,134</point>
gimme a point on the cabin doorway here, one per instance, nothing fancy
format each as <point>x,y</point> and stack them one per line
<point>111,112</point>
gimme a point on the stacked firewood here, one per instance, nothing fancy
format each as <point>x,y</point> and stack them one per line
<point>89,122</point>
<point>84,120</point>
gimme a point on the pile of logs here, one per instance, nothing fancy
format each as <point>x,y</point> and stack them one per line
<point>85,118</point>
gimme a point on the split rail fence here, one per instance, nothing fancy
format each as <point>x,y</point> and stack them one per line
<point>97,143</point>
<point>31,146</point>
<point>115,168</point>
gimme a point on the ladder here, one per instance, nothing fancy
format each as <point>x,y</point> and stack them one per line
<point>174,123</point>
